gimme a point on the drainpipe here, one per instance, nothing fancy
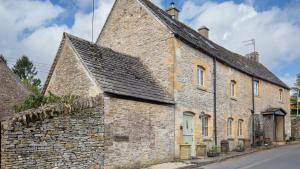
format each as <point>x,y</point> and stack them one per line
<point>253,111</point>
<point>215,100</point>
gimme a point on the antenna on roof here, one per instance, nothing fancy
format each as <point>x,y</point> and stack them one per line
<point>93,21</point>
<point>253,55</point>
<point>249,43</point>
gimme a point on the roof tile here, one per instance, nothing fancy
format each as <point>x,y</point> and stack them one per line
<point>118,73</point>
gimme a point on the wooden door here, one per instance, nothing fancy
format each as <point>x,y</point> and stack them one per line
<point>188,128</point>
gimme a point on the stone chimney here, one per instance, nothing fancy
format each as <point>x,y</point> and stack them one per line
<point>204,31</point>
<point>253,56</point>
<point>173,11</point>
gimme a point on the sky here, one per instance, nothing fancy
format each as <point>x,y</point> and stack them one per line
<point>34,28</point>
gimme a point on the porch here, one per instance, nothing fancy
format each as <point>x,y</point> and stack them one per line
<point>274,125</point>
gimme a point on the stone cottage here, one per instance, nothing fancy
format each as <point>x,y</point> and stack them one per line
<point>166,86</point>
<point>12,91</point>
<point>138,112</point>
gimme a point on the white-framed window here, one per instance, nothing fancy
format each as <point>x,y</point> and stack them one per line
<point>240,127</point>
<point>229,127</point>
<point>233,88</point>
<point>205,126</point>
<point>280,94</point>
<point>256,87</point>
<point>201,76</point>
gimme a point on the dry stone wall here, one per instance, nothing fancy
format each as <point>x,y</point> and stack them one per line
<point>295,127</point>
<point>55,136</point>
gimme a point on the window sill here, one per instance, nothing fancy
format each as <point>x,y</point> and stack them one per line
<point>241,138</point>
<point>233,98</point>
<point>230,139</point>
<point>202,88</point>
<point>207,139</point>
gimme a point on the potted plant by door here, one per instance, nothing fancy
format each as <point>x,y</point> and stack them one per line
<point>213,151</point>
<point>240,147</point>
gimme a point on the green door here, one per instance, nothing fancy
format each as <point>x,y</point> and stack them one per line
<point>188,128</point>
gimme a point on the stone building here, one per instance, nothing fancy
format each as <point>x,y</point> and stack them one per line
<point>12,91</point>
<point>138,113</point>
<point>167,86</point>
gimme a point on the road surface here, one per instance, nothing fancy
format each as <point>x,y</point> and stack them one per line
<point>287,157</point>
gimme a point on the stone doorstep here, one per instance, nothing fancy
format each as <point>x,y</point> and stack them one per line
<point>196,163</point>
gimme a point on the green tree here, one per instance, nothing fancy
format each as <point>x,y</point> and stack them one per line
<point>293,100</point>
<point>25,69</point>
<point>3,58</point>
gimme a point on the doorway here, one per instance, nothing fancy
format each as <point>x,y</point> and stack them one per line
<point>188,128</point>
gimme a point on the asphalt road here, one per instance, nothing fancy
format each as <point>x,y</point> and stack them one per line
<point>287,157</point>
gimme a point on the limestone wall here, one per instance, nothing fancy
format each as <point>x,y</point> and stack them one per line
<point>69,76</point>
<point>131,29</point>
<point>55,136</point>
<point>140,133</point>
<point>269,97</point>
<point>295,127</point>
<point>189,97</point>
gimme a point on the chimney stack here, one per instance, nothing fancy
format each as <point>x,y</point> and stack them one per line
<point>204,31</point>
<point>173,11</point>
<point>253,56</point>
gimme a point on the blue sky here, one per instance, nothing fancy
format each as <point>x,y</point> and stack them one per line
<point>35,28</point>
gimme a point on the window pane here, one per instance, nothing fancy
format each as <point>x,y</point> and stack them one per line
<point>232,88</point>
<point>280,95</point>
<point>200,76</point>
<point>240,128</point>
<point>205,126</point>
<point>255,85</point>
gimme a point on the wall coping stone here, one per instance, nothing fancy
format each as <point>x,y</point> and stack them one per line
<point>51,110</point>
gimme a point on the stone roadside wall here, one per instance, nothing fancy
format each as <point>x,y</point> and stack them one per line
<point>295,123</point>
<point>55,136</point>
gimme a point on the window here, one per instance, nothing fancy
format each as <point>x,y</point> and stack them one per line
<point>200,74</point>
<point>233,88</point>
<point>205,126</point>
<point>256,87</point>
<point>229,127</point>
<point>280,94</point>
<point>240,127</point>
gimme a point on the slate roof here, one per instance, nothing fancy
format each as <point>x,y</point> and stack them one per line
<point>118,73</point>
<point>223,55</point>
<point>275,111</point>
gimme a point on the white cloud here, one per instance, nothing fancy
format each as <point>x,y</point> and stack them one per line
<point>277,36</point>
<point>30,30</point>
<point>158,3</point>
<point>83,22</point>
<point>289,79</point>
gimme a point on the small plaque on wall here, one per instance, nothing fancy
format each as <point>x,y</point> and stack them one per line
<point>121,138</point>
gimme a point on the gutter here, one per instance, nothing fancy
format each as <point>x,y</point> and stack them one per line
<point>253,111</point>
<point>215,99</point>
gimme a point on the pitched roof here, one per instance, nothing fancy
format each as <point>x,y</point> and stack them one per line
<point>118,73</point>
<point>275,111</point>
<point>223,55</point>
<point>12,91</point>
